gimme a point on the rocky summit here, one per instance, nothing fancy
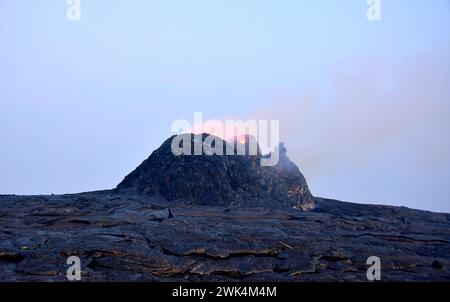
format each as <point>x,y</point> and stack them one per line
<point>220,180</point>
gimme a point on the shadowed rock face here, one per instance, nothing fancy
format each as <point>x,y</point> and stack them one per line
<point>220,180</point>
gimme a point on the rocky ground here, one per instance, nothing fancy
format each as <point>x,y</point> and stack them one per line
<point>136,237</point>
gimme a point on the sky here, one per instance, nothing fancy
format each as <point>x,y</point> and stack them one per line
<point>364,106</point>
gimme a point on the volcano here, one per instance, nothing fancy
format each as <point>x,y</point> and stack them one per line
<point>222,218</point>
<point>237,180</point>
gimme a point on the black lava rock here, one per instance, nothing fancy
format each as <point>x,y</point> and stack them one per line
<point>220,180</point>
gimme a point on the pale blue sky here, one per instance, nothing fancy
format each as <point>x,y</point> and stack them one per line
<point>83,103</point>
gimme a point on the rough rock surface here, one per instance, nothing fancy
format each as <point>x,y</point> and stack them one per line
<point>125,237</point>
<point>220,180</point>
<point>216,218</point>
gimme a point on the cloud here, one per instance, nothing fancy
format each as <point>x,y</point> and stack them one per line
<point>373,110</point>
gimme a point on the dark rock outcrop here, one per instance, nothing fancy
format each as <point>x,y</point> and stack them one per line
<point>220,180</point>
